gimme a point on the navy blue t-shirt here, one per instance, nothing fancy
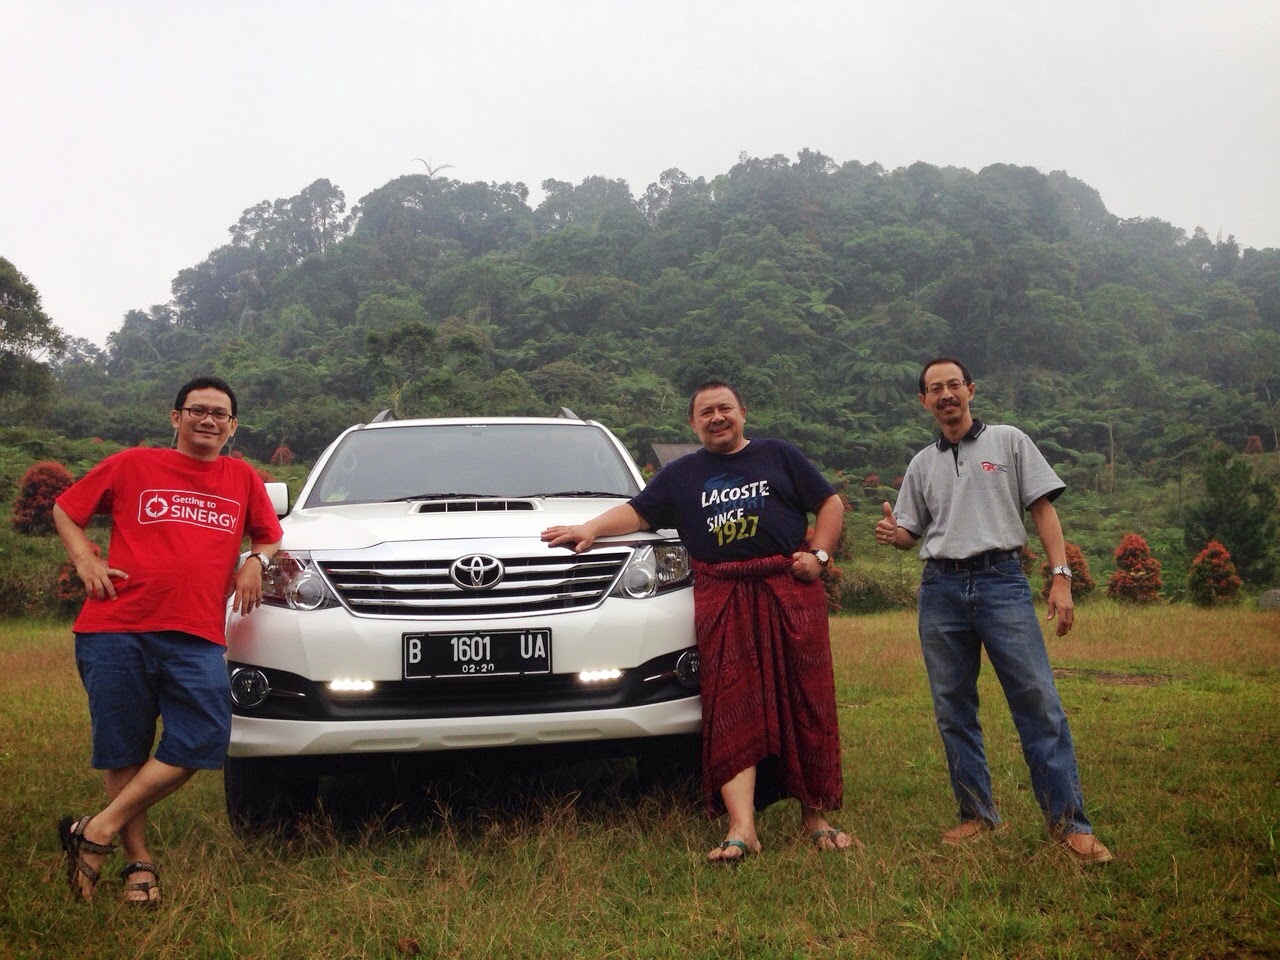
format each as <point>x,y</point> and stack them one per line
<point>737,506</point>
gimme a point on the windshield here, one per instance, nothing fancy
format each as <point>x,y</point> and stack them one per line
<point>472,460</point>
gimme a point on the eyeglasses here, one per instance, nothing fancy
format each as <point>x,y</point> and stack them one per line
<point>955,386</point>
<point>199,413</point>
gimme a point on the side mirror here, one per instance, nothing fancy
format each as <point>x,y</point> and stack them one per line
<point>279,494</point>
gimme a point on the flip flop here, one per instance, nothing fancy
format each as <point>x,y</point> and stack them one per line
<point>830,833</point>
<point>731,861</point>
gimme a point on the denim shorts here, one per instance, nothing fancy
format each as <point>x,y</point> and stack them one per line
<point>134,678</point>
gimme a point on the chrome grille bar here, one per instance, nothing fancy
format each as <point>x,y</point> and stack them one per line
<point>424,589</point>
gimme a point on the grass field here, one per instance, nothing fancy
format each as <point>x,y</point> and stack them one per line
<point>1176,716</point>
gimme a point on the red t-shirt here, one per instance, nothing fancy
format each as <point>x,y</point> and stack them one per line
<point>177,527</point>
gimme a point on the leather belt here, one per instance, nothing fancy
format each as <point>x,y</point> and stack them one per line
<point>982,561</point>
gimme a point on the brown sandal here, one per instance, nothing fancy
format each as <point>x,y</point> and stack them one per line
<point>150,887</point>
<point>71,836</point>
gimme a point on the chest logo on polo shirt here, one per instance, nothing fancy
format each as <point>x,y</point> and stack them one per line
<point>185,506</point>
<point>989,467</point>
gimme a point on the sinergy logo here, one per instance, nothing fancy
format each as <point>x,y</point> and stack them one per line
<point>186,506</point>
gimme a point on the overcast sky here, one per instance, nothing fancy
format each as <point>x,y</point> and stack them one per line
<point>133,134</point>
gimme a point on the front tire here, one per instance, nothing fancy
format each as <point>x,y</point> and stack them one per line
<point>672,764</point>
<point>268,793</point>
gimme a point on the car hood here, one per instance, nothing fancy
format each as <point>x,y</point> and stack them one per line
<point>356,526</point>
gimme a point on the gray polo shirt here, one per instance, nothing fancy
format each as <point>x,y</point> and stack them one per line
<point>967,499</point>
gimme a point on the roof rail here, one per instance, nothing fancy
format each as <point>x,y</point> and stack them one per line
<point>567,414</point>
<point>383,416</point>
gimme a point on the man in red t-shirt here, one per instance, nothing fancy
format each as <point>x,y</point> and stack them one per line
<point>149,639</point>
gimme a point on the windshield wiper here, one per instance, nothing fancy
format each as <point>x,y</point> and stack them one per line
<point>445,496</point>
<point>579,493</point>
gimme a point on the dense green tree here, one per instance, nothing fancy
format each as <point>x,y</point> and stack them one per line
<point>817,287</point>
<point>26,335</point>
<point>1238,510</point>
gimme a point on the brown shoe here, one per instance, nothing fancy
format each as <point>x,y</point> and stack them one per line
<point>1085,848</point>
<point>966,831</point>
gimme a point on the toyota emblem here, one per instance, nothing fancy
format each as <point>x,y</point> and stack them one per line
<point>476,571</point>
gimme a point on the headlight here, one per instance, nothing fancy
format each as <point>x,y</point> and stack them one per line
<point>654,567</point>
<point>293,581</point>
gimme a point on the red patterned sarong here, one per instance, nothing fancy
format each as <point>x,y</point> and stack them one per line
<point>768,692</point>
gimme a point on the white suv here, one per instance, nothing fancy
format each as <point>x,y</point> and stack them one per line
<point>414,608</point>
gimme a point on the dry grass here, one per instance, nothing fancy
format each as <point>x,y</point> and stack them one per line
<point>1182,778</point>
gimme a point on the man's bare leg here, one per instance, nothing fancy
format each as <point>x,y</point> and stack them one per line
<point>131,792</point>
<point>739,796</point>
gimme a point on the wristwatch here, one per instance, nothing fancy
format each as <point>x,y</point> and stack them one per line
<point>263,559</point>
<point>823,557</point>
<point>1063,571</point>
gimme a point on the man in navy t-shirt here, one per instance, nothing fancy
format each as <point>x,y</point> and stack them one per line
<point>768,696</point>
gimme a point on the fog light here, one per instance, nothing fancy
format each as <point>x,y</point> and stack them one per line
<point>687,669</point>
<point>349,685</point>
<point>596,676</point>
<point>249,687</point>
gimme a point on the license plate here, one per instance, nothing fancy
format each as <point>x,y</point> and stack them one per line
<point>483,653</point>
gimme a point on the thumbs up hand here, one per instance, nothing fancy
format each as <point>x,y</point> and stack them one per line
<point>887,528</point>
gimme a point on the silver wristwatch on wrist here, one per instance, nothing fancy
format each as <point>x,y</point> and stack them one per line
<point>263,559</point>
<point>1063,571</point>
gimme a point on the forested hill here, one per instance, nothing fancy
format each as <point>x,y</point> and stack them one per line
<point>817,287</point>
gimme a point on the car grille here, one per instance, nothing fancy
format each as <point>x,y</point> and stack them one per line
<point>417,589</point>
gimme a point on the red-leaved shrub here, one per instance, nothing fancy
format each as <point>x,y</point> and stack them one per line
<point>69,588</point>
<point>1082,583</point>
<point>1213,578</point>
<point>1137,575</point>
<point>39,488</point>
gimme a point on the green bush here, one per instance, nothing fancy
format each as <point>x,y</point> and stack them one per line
<point>30,570</point>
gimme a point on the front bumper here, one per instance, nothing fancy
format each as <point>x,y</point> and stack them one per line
<point>257,737</point>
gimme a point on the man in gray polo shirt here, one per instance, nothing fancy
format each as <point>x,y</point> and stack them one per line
<point>962,500</point>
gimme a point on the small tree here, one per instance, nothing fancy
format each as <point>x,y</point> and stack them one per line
<point>1240,510</point>
<point>1213,578</point>
<point>1137,575</point>
<point>282,457</point>
<point>1082,583</point>
<point>39,488</point>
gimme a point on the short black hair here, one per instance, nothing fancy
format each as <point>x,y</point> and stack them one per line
<point>714,385</point>
<point>964,371</point>
<point>205,383</point>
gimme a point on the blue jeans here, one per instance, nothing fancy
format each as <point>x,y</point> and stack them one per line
<point>962,611</point>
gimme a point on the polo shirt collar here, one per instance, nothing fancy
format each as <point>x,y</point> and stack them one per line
<point>975,430</point>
